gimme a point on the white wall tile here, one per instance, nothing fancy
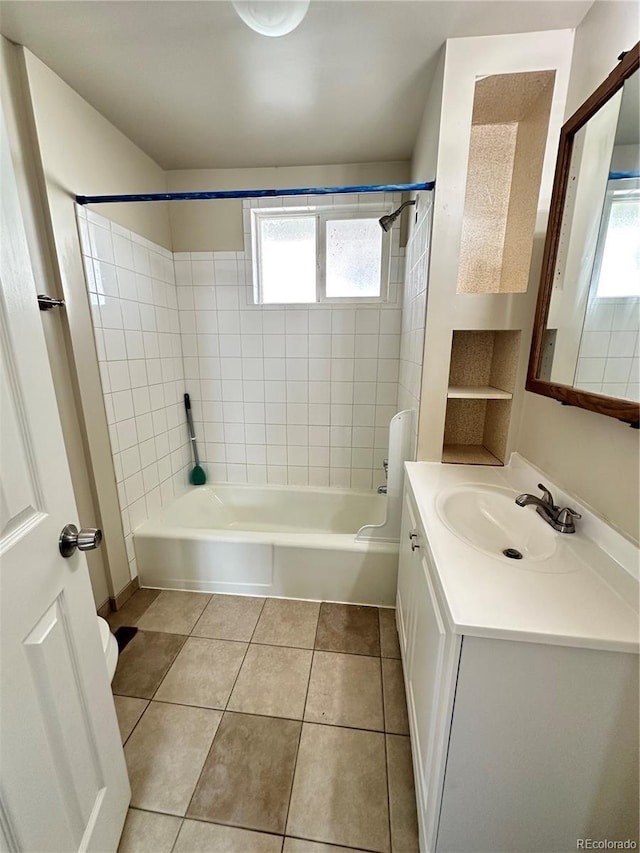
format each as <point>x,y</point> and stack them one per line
<point>139,348</point>
<point>263,379</point>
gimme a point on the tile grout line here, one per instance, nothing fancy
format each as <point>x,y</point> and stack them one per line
<point>175,840</point>
<point>274,646</point>
<point>277,717</point>
<point>304,709</point>
<point>284,836</point>
<point>224,711</point>
<point>244,657</point>
<point>148,701</point>
<point>170,667</point>
<point>331,844</point>
<point>386,750</point>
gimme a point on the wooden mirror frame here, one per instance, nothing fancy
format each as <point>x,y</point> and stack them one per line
<point>614,407</point>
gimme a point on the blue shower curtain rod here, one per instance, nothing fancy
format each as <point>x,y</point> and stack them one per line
<point>623,176</point>
<point>220,194</point>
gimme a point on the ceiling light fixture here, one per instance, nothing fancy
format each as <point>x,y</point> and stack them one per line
<point>272,17</point>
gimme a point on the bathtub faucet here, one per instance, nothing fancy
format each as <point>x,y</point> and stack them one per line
<point>382,490</point>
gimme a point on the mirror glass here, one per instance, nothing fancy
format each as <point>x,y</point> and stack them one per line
<point>593,326</point>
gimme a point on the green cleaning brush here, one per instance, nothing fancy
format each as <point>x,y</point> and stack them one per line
<point>197,477</point>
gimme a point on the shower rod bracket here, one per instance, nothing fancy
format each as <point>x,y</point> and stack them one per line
<point>273,193</point>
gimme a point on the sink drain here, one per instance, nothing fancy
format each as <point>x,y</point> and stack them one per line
<point>512,554</point>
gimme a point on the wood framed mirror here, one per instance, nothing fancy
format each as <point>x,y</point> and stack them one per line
<point>585,349</point>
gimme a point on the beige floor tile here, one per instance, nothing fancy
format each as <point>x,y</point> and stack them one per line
<point>300,845</point>
<point>402,796</point>
<point>229,617</point>
<point>203,673</point>
<point>348,628</point>
<point>174,612</point>
<point>133,609</point>
<point>340,788</point>
<point>128,710</point>
<point>246,780</point>
<point>345,690</point>
<point>165,755</point>
<point>273,681</point>
<point>144,663</point>
<point>146,832</point>
<point>389,644</point>
<point>395,700</point>
<point>198,837</point>
<point>285,622</point>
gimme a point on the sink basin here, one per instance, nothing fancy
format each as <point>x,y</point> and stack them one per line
<point>487,518</point>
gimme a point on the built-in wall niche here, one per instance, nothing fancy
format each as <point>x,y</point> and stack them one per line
<point>508,139</point>
<point>481,383</point>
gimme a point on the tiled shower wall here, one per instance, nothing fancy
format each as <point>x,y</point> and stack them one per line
<point>298,395</point>
<point>609,357</point>
<point>414,308</point>
<point>134,306</point>
<point>282,395</point>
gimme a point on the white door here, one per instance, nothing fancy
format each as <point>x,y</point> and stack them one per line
<point>63,780</point>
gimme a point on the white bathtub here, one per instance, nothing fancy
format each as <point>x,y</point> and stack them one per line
<point>286,541</point>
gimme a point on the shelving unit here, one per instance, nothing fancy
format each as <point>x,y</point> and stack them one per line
<point>481,383</point>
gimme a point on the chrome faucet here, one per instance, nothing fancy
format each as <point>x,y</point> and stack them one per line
<point>382,490</point>
<point>561,520</point>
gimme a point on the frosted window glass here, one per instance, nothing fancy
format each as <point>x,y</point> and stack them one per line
<point>620,268</point>
<point>354,258</point>
<point>288,259</point>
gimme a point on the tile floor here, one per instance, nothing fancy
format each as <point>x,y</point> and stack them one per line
<point>255,725</point>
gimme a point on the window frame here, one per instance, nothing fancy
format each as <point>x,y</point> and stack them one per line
<point>322,215</point>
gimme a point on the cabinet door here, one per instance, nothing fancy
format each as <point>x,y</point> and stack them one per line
<point>430,652</point>
<point>426,678</point>
<point>407,575</point>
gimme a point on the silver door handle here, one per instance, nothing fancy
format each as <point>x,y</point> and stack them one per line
<point>86,539</point>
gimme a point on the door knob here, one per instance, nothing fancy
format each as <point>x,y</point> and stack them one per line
<point>86,539</point>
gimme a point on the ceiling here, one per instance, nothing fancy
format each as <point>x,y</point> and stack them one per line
<point>194,87</point>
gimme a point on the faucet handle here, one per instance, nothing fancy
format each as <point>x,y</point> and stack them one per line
<point>565,518</point>
<point>547,497</point>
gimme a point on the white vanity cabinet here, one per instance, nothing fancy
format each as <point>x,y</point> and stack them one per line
<point>517,745</point>
<point>429,654</point>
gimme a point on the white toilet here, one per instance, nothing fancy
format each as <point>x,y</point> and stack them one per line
<point>109,646</point>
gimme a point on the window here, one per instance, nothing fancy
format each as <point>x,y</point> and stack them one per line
<point>307,256</point>
<point>617,262</point>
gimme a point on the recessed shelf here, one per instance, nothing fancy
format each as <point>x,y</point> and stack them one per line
<point>468,454</point>
<point>508,138</point>
<point>477,392</point>
<point>481,382</point>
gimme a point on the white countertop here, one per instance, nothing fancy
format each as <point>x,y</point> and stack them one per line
<point>594,606</point>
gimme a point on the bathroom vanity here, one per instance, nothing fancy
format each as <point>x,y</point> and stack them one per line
<point>521,674</point>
